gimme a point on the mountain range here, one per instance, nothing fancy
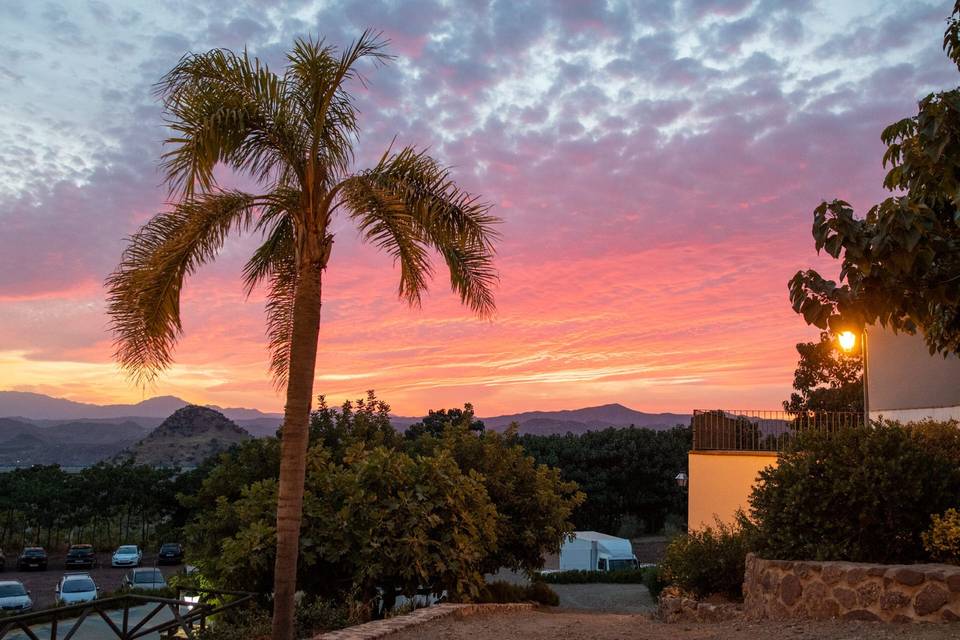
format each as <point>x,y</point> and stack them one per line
<point>41,429</point>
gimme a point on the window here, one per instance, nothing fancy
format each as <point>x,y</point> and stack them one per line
<point>602,564</point>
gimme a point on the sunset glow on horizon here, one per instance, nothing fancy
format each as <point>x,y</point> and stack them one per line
<point>655,165</point>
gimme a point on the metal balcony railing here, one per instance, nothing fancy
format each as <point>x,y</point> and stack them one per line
<point>771,431</point>
<point>126,617</point>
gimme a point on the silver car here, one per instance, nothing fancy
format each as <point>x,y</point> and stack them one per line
<point>128,555</point>
<point>14,597</point>
<point>75,588</point>
<point>146,579</point>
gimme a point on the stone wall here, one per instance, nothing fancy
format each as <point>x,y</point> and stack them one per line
<point>779,589</point>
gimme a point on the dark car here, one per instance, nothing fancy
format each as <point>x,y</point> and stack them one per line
<point>32,558</point>
<point>81,555</point>
<point>170,553</point>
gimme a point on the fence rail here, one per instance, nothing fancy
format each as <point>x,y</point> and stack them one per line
<point>186,614</point>
<point>742,430</point>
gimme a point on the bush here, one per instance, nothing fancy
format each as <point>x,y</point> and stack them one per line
<point>249,623</point>
<point>315,615</point>
<point>706,562</point>
<point>503,592</point>
<point>653,581</point>
<point>942,539</point>
<point>861,494</point>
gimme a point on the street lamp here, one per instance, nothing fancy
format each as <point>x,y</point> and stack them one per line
<point>848,340</point>
<point>682,480</point>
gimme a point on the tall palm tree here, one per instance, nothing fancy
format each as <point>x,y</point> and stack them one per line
<point>293,135</point>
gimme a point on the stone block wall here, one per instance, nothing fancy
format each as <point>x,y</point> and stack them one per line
<point>780,589</point>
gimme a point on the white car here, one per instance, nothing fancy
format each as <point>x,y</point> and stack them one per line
<point>75,588</point>
<point>14,597</point>
<point>128,555</point>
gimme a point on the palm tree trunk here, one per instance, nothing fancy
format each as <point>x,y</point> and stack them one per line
<point>294,437</point>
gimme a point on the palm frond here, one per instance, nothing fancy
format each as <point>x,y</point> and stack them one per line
<point>438,214</point>
<point>384,220</point>
<point>227,107</point>
<point>143,299</point>
<point>318,79</point>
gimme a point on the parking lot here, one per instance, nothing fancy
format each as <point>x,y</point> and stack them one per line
<point>42,584</point>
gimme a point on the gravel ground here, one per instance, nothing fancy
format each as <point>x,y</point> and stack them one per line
<point>608,598</point>
<point>578,625</point>
<point>42,584</point>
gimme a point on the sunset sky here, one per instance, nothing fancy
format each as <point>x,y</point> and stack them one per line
<point>655,164</point>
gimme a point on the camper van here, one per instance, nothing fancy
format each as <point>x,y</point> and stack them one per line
<point>592,551</point>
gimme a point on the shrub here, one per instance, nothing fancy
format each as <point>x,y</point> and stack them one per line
<point>541,593</point>
<point>942,539</point>
<point>711,560</point>
<point>503,592</point>
<point>653,581</point>
<point>252,623</point>
<point>315,615</point>
<point>860,494</point>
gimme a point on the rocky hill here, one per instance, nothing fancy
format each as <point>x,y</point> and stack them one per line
<point>188,437</point>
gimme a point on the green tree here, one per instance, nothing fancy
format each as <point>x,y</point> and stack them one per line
<point>292,135</point>
<point>534,504</point>
<point>900,264</point>
<point>365,420</point>
<point>623,472</point>
<point>379,522</point>
<point>826,379</point>
<point>435,422</point>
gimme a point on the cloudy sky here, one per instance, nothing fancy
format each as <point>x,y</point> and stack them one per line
<point>655,163</point>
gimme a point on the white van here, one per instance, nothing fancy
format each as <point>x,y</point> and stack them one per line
<point>592,551</point>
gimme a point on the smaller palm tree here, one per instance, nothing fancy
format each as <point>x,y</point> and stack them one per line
<point>293,135</point>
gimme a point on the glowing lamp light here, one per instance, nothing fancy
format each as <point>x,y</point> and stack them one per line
<point>847,340</point>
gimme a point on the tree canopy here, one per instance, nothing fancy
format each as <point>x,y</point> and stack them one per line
<point>826,378</point>
<point>900,264</point>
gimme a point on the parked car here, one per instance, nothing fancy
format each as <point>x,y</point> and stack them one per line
<point>170,553</point>
<point>32,558</point>
<point>75,588</point>
<point>127,555</point>
<point>14,597</point>
<point>80,555</point>
<point>149,579</point>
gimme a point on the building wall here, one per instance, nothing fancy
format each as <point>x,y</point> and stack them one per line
<point>720,483</point>
<point>906,383</point>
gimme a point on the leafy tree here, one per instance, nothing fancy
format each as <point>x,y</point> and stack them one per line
<point>365,421</point>
<point>534,504</point>
<point>291,135</point>
<point>435,422</point>
<point>900,264</point>
<point>862,494</point>
<point>826,379</point>
<point>622,472</point>
<point>379,522</point>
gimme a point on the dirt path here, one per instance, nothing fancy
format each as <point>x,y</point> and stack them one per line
<point>577,625</point>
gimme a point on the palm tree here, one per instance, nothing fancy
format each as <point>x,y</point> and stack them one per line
<point>293,135</point>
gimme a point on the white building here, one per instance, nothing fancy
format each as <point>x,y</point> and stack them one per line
<point>906,383</point>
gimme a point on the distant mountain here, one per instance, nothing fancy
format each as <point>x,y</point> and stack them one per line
<point>36,406</point>
<point>573,420</point>
<point>188,437</point>
<point>69,444</point>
